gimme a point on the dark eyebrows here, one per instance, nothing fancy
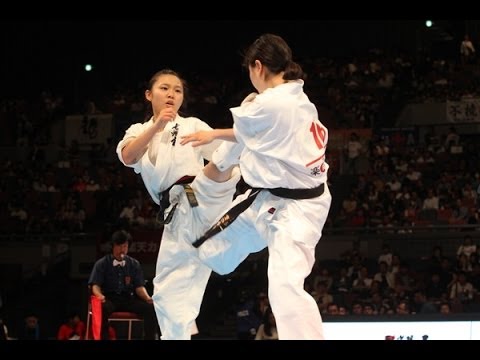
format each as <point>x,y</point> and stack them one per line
<point>170,85</point>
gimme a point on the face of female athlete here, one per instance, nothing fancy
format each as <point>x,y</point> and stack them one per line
<point>166,91</point>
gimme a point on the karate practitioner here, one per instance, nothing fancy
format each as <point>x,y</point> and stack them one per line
<point>153,150</point>
<point>283,160</point>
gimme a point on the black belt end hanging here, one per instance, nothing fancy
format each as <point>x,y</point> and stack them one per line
<point>228,218</point>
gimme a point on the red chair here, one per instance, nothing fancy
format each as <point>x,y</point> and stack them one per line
<point>119,316</point>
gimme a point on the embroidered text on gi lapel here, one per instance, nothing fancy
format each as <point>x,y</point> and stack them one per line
<point>174,133</point>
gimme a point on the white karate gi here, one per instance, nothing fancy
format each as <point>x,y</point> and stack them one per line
<point>180,279</point>
<point>285,147</point>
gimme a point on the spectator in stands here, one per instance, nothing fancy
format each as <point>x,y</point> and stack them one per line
<point>363,283</point>
<point>435,260</point>
<point>384,277</point>
<point>445,308</point>
<point>357,308</point>
<point>342,310</point>
<point>262,303</point>
<point>402,308</point>
<point>368,309</point>
<point>322,296</point>
<point>341,282</point>
<point>431,201</point>
<point>452,139</point>
<point>446,272</point>
<point>435,289</point>
<point>396,263</point>
<point>421,305</point>
<point>461,291</point>
<point>386,255</point>
<point>31,329</point>
<point>467,247</point>
<point>350,204</point>
<point>353,150</point>
<point>127,211</point>
<point>332,309</point>
<point>467,50</point>
<point>405,277</point>
<point>463,264</point>
<point>268,328</point>
<point>377,301</point>
<point>248,319</point>
<point>72,329</point>
<point>324,276</point>
<point>474,276</point>
<point>3,330</point>
<point>353,271</point>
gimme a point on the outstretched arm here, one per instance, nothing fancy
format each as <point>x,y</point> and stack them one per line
<point>206,137</point>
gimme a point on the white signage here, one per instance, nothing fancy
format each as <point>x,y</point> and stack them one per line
<point>403,330</point>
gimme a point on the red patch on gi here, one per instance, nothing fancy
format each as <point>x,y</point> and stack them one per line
<point>271,210</point>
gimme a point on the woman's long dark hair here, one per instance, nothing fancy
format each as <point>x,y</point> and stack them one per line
<point>274,53</point>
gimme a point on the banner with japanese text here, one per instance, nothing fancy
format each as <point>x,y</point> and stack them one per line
<point>143,247</point>
<point>464,111</point>
<point>88,129</point>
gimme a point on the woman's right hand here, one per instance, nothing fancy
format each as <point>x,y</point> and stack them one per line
<point>166,115</point>
<point>198,138</point>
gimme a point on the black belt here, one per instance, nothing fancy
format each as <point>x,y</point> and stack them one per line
<point>233,213</point>
<point>165,199</point>
<point>298,194</point>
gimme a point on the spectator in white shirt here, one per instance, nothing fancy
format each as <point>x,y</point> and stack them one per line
<point>468,247</point>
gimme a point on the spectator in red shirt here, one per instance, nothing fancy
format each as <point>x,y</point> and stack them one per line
<point>72,329</point>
